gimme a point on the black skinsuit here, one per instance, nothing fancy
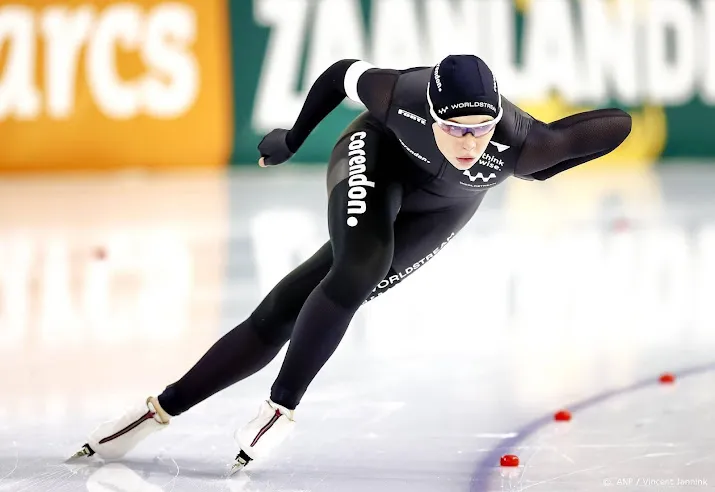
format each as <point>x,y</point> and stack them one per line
<point>394,202</point>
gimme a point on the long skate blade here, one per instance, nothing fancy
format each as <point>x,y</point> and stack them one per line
<point>237,467</point>
<point>85,451</point>
<point>242,459</point>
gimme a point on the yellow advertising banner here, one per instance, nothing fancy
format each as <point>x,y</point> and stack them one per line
<point>104,84</point>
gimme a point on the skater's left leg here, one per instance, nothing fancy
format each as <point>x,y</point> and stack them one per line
<point>362,208</point>
<point>363,247</point>
<point>424,225</point>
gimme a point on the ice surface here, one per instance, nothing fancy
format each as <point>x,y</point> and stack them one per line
<point>435,380</point>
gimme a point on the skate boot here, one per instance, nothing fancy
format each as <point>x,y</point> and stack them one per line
<point>114,439</point>
<point>261,435</point>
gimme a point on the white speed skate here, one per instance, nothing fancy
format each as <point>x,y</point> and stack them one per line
<point>261,435</point>
<point>114,439</point>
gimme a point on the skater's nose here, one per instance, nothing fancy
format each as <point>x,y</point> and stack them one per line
<point>469,142</point>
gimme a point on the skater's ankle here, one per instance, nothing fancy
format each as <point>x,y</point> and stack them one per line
<point>160,412</point>
<point>288,412</point>
<point>283,398</point>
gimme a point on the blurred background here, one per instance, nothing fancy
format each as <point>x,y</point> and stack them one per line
<point>134,220</point>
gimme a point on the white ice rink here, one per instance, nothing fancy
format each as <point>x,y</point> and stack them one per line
<point>573,294</point>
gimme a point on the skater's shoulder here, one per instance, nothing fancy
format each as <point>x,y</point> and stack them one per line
<point>410,89</point>
<point>380,89</point>
<point>514,113</point>
<point>514,125</point>
<point>386,80</point>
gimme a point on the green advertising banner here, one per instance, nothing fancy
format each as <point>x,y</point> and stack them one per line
<point>654,58</point>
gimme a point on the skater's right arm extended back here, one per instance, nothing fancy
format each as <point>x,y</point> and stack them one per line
<point>351,78</point>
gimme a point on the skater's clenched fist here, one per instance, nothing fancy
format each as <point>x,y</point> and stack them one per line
<point>274,148</point>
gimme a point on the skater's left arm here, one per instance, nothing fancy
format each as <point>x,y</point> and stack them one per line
<point>552,148</point>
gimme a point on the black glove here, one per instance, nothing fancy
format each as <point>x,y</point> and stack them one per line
<point>274,149</point>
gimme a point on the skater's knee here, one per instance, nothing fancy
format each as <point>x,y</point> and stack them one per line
<point>272,321</point>
<point>270,329</point>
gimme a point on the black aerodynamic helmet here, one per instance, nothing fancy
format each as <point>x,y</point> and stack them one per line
<point>463,85</point>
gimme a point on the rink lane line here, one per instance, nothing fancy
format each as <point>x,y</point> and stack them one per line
<point>481,478</point>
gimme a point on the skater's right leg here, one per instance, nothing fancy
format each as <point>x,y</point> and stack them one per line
<point>241,352</point>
